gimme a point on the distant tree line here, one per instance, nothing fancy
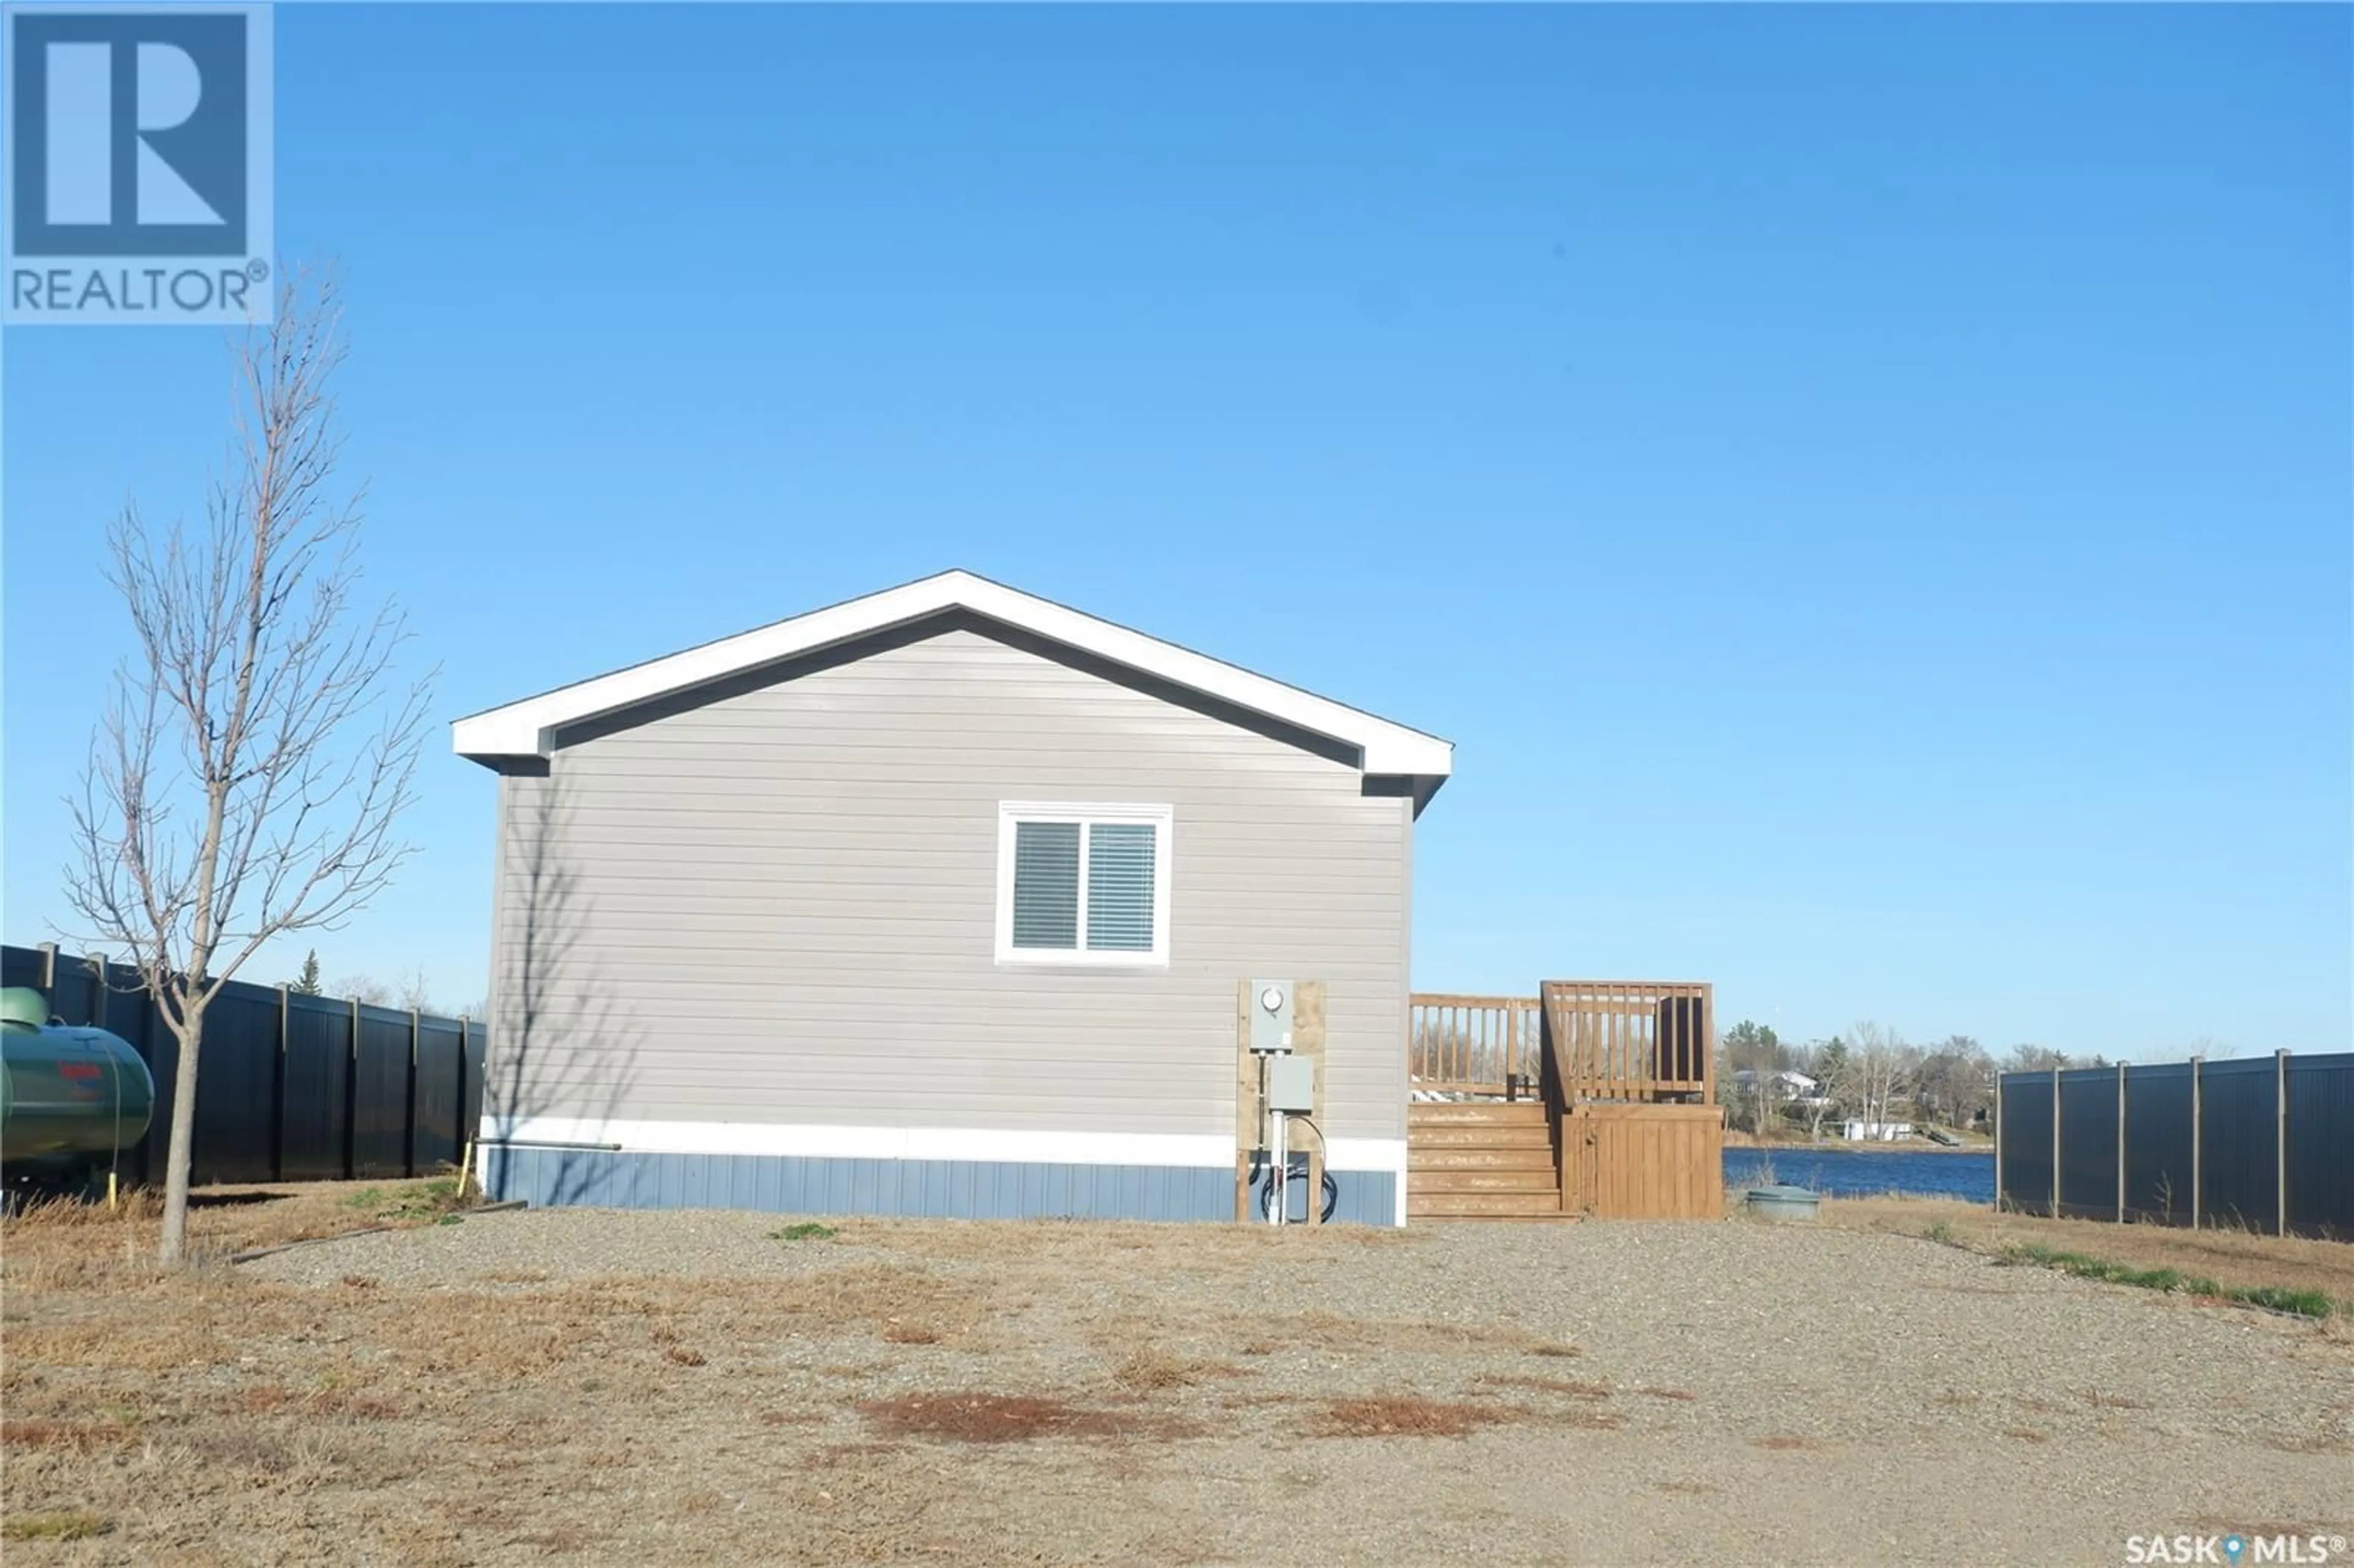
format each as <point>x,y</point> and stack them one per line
<point>410,992</point>
<point>1872,1074</point>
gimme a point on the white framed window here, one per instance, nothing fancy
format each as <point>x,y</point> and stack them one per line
<point>1082,883</point>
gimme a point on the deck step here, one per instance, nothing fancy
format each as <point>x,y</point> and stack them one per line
<point>1540,1180</point>
<point>1476,1112</point>
<point>1509,1135</point>
<point>1529,1158</point>
<point>1490,1205</point>
<point>1550,1217</point>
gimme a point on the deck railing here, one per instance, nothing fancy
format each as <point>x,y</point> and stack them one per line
<point>1628,1041</point>
<point>1475,1045</point>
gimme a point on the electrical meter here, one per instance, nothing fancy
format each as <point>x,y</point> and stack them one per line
<point>1270,1016</point>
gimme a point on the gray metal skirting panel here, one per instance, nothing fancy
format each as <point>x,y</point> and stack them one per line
<point>962,1188</point>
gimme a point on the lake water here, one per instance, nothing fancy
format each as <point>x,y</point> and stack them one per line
<point>1867,1172</point>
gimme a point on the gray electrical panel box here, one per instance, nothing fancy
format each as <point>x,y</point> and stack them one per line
<point>1291,1084</point>
<point>1270,1016</point>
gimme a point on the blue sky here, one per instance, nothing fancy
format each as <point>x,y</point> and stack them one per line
<point>1866,489</point>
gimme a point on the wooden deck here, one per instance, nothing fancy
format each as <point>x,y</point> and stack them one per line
<point>1594,1099</point>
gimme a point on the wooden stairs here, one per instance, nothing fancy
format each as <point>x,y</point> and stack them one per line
<point>1480,1160</point>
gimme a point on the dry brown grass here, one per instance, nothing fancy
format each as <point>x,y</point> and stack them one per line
<point>1576,1388</point>
<point>974,1417</point>
<point>1405,1415</point>
<point>1317,1330</point>
<point>72,1525</point>
<point>1145,1370</point>
<point>2027,1434</point>
<point>2101,1399</point>
<point>2233,1258</point>
<point>487,1408</point>
<point>791,1416</point>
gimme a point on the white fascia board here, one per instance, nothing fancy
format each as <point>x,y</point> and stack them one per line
<point>983,1145</point>
<point>525,728</point>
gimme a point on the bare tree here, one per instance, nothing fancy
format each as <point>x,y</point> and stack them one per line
<point>258,747</point>
<point>416,993</point>
<point>1825,1063</point>
<point>363,988</point>
<point>1875,1074</point>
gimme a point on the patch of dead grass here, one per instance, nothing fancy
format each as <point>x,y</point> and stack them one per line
<point>2027,1434</point>
<point>978,1418</point>
<point>75,1524</point>
<point>1575,1388</point>
<point>75,1436</point>
<point>1146,1370</point>
<point>1405,1415</point>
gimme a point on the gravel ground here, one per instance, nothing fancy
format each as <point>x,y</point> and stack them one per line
<point>1706,1394</point>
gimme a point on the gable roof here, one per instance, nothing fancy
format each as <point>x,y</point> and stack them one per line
<point>527,728</point>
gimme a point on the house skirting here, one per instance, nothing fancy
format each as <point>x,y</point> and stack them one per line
<point>950,1173</point>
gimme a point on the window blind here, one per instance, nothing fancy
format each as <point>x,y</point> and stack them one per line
<point>1046,885</point>
<point>1119,886</point>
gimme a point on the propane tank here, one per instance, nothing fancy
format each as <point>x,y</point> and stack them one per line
<point>68,1096</point>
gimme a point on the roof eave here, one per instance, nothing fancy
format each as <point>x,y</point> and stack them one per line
<point>527,729</point>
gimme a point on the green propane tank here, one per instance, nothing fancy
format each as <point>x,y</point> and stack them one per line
<point>68,1096</point>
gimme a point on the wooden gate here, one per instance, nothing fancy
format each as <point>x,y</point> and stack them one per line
<point>1643,1161</point>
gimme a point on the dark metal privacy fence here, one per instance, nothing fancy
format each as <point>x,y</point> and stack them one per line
<point>2265,1144</point>
<point>293,1088</point>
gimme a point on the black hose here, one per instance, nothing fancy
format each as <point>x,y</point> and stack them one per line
<point>1260,1164</point>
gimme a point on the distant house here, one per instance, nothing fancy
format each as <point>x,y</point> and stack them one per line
<point>936,901</point>
<point>1788,1084</point>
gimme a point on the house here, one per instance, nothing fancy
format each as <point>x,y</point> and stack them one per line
<point>1788,1084</point>
<point>938,902</point>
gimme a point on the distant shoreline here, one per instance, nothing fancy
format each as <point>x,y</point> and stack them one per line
<point>1742,1140</point>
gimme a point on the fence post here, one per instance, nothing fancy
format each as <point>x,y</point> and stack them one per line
<point>2198,1138</point>
<point>2055,1143</point>
<point>49,974</point>
<point>98,998</point>
<point>466,1134</point>
<point>278,1086</point>
<point>352,1095</point>
<point>2280,1142</point>
<point>1998,1143</point>
<point>408,1112</point>
<point>2121,1143</point>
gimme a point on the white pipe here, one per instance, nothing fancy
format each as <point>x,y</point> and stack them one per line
<point>1279,1173</point>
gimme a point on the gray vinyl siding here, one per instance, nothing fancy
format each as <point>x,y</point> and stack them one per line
<point>779,906</point>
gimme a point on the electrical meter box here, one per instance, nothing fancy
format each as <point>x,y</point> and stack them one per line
<point>1291,1084</point>
<point>1270,1016</point>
